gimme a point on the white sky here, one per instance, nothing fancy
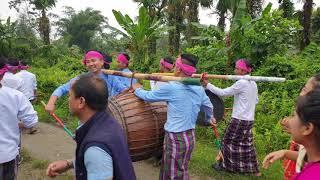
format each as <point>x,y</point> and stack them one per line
<point>125,6</point>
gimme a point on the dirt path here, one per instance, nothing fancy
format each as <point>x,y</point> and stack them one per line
<point>51,143</point>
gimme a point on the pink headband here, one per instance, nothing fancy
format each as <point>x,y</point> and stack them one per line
<point>241,64</point>
<point>12,68</point>
<point>22,67</point>
<point>4,70</point>
<point>122,58</point>
<point>187,69</point>
<point>92,54</point>
<point>165,64</point>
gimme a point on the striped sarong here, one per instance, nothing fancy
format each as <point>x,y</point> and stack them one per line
<point>177,149</point>
<point>9,170</point>
<point>237,148</point>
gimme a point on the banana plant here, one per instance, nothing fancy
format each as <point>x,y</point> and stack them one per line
<point>138,33</point>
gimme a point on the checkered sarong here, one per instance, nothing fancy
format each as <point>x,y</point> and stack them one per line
<point>9,170</point>
<point>177,149</point>
<point>237,147</point>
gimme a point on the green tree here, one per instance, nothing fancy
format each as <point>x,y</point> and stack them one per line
<point>254,8</point>
<point>40,8</point>
<point>306,23</point>
<point>287,7</point>
<point>79,28</point>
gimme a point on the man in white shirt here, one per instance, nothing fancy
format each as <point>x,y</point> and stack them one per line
<point>10,79</point>
<point>14,106</point>
<point>238,151</point>
<point>30,81</point>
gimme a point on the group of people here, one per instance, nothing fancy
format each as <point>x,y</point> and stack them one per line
<point>17,91</point>
<point>102,151</point>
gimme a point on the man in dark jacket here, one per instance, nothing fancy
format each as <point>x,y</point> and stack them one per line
<point>102,151</point>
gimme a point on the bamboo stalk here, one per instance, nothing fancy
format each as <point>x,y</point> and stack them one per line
<point>185,80</point>
<point>233,77</point>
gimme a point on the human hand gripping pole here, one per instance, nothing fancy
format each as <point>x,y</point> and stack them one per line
<point>60,123</point>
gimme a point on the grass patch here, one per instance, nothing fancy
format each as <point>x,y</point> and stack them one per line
<point>35,169</point>
<point>204,156</point>
<point>40,164</point>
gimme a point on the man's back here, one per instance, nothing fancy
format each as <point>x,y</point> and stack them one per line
<point>30,83</point>
<point>14,106</point>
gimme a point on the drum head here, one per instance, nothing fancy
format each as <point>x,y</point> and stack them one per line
<point>218,109</point>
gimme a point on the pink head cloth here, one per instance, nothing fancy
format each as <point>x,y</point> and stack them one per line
<point>22,67</point>
<point>241,64</point>
<point>92,54</point>
<point>12,68</point>
<point>165,64</point>
<point>3,70</point>
<point>122,58</point>
<point>187,69</point>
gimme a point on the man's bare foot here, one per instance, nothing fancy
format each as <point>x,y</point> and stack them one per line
<point>258,174</point>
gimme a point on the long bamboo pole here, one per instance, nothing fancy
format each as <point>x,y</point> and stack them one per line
<point>185,80</point>
<point>233,77</point>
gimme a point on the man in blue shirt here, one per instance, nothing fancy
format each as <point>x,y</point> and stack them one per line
<point>184,103</point>
<point>122,65</point>
<point>102,150</point>
<point>94,61</point>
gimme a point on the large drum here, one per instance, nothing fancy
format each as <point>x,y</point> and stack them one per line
<point>142,123</point>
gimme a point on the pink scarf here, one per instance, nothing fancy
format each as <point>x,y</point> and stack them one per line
<point>92,54</point>
<point>187,69</point>
<point>241,64</point>
<point>123,59</point>
<point>166,65</point>
<point>3,70</point>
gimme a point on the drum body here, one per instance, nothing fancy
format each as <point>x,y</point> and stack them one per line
<point>142,123</point>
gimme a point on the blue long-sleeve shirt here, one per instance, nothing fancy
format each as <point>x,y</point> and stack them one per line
<point>184,103</point>
<point>124,80</point>
<point>114,86</point>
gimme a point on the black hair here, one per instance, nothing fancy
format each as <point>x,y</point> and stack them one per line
<point>126,55</point>
<point>13,62</point>
<point>191,59</point>
<point>23,62</point>
<point>3,62</point>
<point>308,109</point>
<point>168,59</point>
<point>93,89</point>
<point>107,59</point>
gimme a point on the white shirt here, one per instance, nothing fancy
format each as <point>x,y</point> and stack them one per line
<point>14,106</point>
<point>30,83</point>
<point>12,81</point>
<point>155,85</point>
<point>245,98</point>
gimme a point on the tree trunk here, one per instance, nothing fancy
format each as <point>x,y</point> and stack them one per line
<point>222,20</point>
<point>44,28</point>
<point>192,16</point>
<point>152,44</point>
<point>306,23</point>
<point>171,22</point>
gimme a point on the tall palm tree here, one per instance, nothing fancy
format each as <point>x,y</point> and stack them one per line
<point>254,8</point>
<point>43,21</point>
<point>306,23</point>
<point>287,7</point>
<point>192,13</point>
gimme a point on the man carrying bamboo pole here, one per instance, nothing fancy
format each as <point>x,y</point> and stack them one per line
<point>238,151</point>
<point>184,104</point>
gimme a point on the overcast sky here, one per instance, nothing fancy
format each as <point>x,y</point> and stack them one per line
<point>125,6</point>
